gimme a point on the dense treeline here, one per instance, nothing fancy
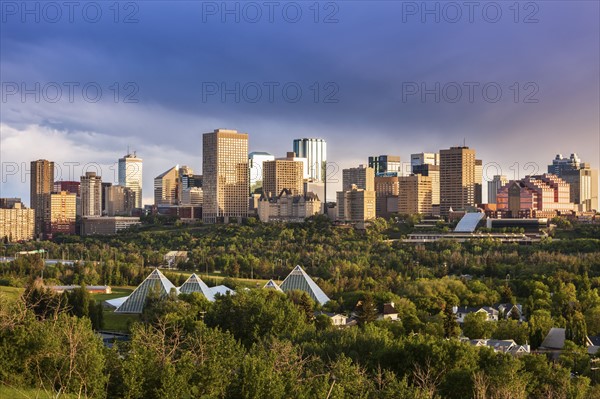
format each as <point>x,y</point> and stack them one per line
<point>263,344</point>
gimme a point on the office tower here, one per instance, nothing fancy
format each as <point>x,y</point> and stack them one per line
<point>356,205</point>
<point>186,180</point>
<point>457,179</point>
<point>166,190</point>
<point>382,164</point>
<point>386,189</point>
<point>60,213</point>
<point>130,175</point>
<point>424,158</point>
<point>415,194</point>
<point>105,185</point>
<point>42,183</point>
<point>433,171</point>
<point>225,175</point>
<point>497,182</point>
<point>478,181</point>
<point>363,177</point>
<point>17,223</point>
<point>534,196</point>
<point>91,194</point>
<point>255,163</point>
<point>192,196</point>
<point>120,201</point>
<point>68,186</point>
<point>582,178</point>
<point>315,151</point>
<point>283,173</point>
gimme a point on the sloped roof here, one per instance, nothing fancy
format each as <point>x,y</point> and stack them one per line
<point>136,300</point>
<point>221,290</point>
<point>272,285</point>
<point>299,280</point>
<point>116,302</point>
<point>555,339</point>
<point>195,284</point>
<point>469,222</point>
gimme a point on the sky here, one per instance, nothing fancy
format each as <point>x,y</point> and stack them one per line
<point>84,81</point>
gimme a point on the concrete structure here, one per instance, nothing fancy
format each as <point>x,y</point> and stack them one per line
<point>362,177</point>
<point>42,183</point>
<point>130,175</point>
<point>225,174</point>
<point>288,207</point>
<point>457,179</point>
<point>255,163</point>
<point>582,178</point>
<point>534,196</point>
<point>424,158</point>
<point>385,164</point>
<point>386,188</point>
<point>166,187</point>
<point>60,213</point>
<point>432,171</point>
<point>107,225</point>
<point>119,200</point>
<point>315,151</point>
<point>192,196</point>
<point>68,186</point>
<point>283,174</point>
<point>356,205</point>
<point>91,194</point>
<point>497,182</point>
<point>478,181</point>
<point>16,222</point>
<point>415,194</point>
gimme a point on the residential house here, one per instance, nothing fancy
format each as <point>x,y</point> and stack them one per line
<point>462,312</point>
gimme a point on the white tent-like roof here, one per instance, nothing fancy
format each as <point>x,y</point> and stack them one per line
<point>221,290</point>
<point>299,280</point>
<point>135,302</point>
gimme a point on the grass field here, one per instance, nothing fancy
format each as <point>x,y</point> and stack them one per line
<point>29,393</point>
<point>12,293</point>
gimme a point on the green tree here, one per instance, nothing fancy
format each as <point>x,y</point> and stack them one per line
<point>576,330</point>
<point>367,311</point>
<point>476,326</point>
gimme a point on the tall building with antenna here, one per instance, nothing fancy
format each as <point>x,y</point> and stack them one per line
<point>130,175</point>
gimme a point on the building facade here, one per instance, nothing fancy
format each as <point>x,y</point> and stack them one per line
<point>255,163</point>
<point>415,195</point>
<point>315,151</point>
<point>457,179</point>
<point>42,183</point>
<point>386,188</point>
<point>283,174</point>
<point>382,164</point>
<point>60,213</point>
<point>166,187</point>
<point>120,201</point>
<point>130,175</point>
<point>225,175</point>
<point>192,196</point>
<point>432,171</point>
<point>288,207</point>
<point>107,225</point>
<point>497,182</point>
<point>91,194</point>
<point>356,205</point>
<point>582,178</point>
<point>362,177</point>
<point>424,158</point>
<point>17,223</point>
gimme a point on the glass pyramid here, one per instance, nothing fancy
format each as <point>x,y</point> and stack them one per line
<point>195,284</point>
<point>272,285</point>
<point>299,280</point>
<point>135,302</point>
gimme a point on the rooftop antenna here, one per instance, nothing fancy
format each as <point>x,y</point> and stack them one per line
<point>464,142</point>
<point>127,149</point>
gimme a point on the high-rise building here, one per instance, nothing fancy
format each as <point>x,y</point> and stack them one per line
<point>120,201</point>
<point>42,183</point>
<point>283,173</point>
<point>363,177</point>
<point>433,171</point>
<point>255,163</point>
<point>17,223</point>
<point>428,158</point>
<point>68,186</point>
<point>166,187</point>
<point>497,182</point>
<point>130,175</point>
<point>534,196</point>
<point>106,185</point>
<point>386,189</point>
<point>91,194</point>
<point>415,193</point>
<point>60,213</point>
<point>186,180</point>
<point>192,196</point>
<point>457,179</point>
<point>478,181</point>
<point>383,164</point>
<point>356,205</point>
<point>582,178</point>
<point>225,175</point>
<point>315,151</point>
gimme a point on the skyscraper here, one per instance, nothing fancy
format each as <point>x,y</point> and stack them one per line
<point>497,182</point>
<point>424,158</point>
<point>282,174</point>
<point>130,175</point>
<point>457,179</point>
<point>91,194</point>
<point>255,163</point>
<point>385,164</point>
<point>478,181</point>
<point>42,182</point>
<point>60,213</point>
<point>363,177</point>
<point>582,178</point>
<point>120,201</point>
<point>225,175</point>
<point>315,151</point>
<point>414,195</point>
<point>433,171</point>
<point>166,187</point>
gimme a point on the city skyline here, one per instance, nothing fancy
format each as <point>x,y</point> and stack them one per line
<point>558,54</point>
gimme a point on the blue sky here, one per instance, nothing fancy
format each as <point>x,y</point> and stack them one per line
<point>362,68</point>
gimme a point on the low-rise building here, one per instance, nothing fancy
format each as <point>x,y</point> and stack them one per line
<point>288,207</point>
<point>106,225</point>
